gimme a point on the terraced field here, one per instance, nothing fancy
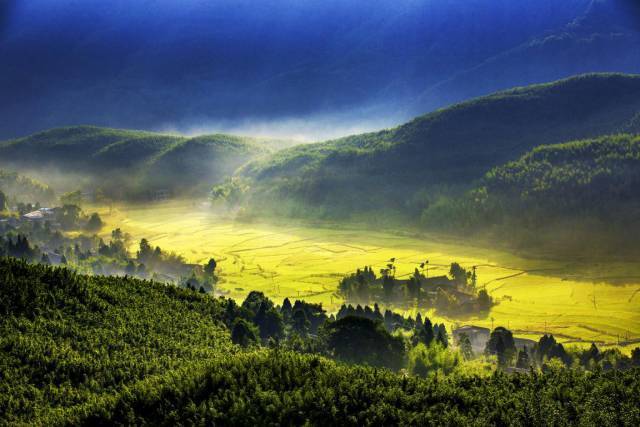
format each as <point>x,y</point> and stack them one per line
<point>578,302</point>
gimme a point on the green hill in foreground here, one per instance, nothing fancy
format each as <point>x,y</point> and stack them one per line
<point>401,169</point>
<point>78,350</point>
<point>583,193</point>
<point>125,162</point>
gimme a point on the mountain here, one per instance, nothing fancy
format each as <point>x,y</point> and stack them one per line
<point>134,162</point>
<point>402,169</point>
<point>605,38</point>
<point>217,65</point>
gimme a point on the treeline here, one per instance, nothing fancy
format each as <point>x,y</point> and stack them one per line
<point>37,243</point>
<point>94,350</point>
<point>456,294</point>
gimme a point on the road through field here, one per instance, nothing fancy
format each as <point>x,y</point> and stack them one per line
<point>577,303</point>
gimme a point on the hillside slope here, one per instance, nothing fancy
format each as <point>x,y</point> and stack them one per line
<point>21,188</point>
<point>70,342</point>
<point>133,161</point>
<point>94,351</point>
<point>582,195</point>
<point>449,147</point>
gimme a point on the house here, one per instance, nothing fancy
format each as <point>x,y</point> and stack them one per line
<point>40,214</point>
<point>438,282</point>
<point>478,336</point>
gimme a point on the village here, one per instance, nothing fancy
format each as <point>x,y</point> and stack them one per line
<point>456,293</point>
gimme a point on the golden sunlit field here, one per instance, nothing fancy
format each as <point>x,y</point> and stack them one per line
<point>576,302</point>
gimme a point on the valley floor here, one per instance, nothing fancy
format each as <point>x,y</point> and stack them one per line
<point>578,302</point>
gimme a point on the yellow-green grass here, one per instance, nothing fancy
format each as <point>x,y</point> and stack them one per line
<point>578,302</point>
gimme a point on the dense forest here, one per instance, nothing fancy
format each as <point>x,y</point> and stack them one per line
<point>401,171</point>
<point>581,194</point>
<point>93,350</point>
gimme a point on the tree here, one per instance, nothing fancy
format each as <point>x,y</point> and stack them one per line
<point>145,253</point>
<point>465,347</point>
<point>522,361</point>
<point>254,301</point>
<point>501,345</point>
<point>210,267</point>
<point>301,323</point>
<point>244,333</point>
<point>286,309</point>
<point>95,222</point>
<point>364,341</point>
<point>117,234</point>
<point>388,284</point>
<point>419,322</point>
<point>424,334</point>
<point>635,357</point>
<point>413,287</point>
<point>3,201</point>
<point>458,274</point>
<point>68,216</point>
<point>72,198</point>
<point>484,300</point>
<point>269,321</point>
<point>442,337</point>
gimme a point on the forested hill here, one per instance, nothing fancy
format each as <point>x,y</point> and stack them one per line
<point>582,195</point>
<point>78,350</point>
<point>452,146</point>
<point>133,161</point>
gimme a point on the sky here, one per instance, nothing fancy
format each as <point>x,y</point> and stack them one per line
<point>304,69</point>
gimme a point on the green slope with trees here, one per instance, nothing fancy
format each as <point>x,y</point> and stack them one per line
<point>19,188</point>
<point>402,169</point>
<point>124,163</point>
<point>81,350</point>
<point>580,195</point>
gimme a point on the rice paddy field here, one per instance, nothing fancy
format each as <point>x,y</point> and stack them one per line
<point>578,301</point>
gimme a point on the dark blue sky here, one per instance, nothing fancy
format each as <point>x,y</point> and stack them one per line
<point>312,69</point>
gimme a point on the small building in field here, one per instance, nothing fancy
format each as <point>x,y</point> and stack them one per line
<point>40,214</point>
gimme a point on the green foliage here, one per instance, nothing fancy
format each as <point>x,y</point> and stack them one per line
<point>590,186</point>
<point>79,350</point>
<point>72,198</point>
<point>133,164</point>
<point>364,341</point>
<point>244,333</point>
<point>428,361</point>
<point>387,173</point>
<point>23,189</point>
<point>95,222</point>
<point>70,341</point>
<point>501,345</point>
